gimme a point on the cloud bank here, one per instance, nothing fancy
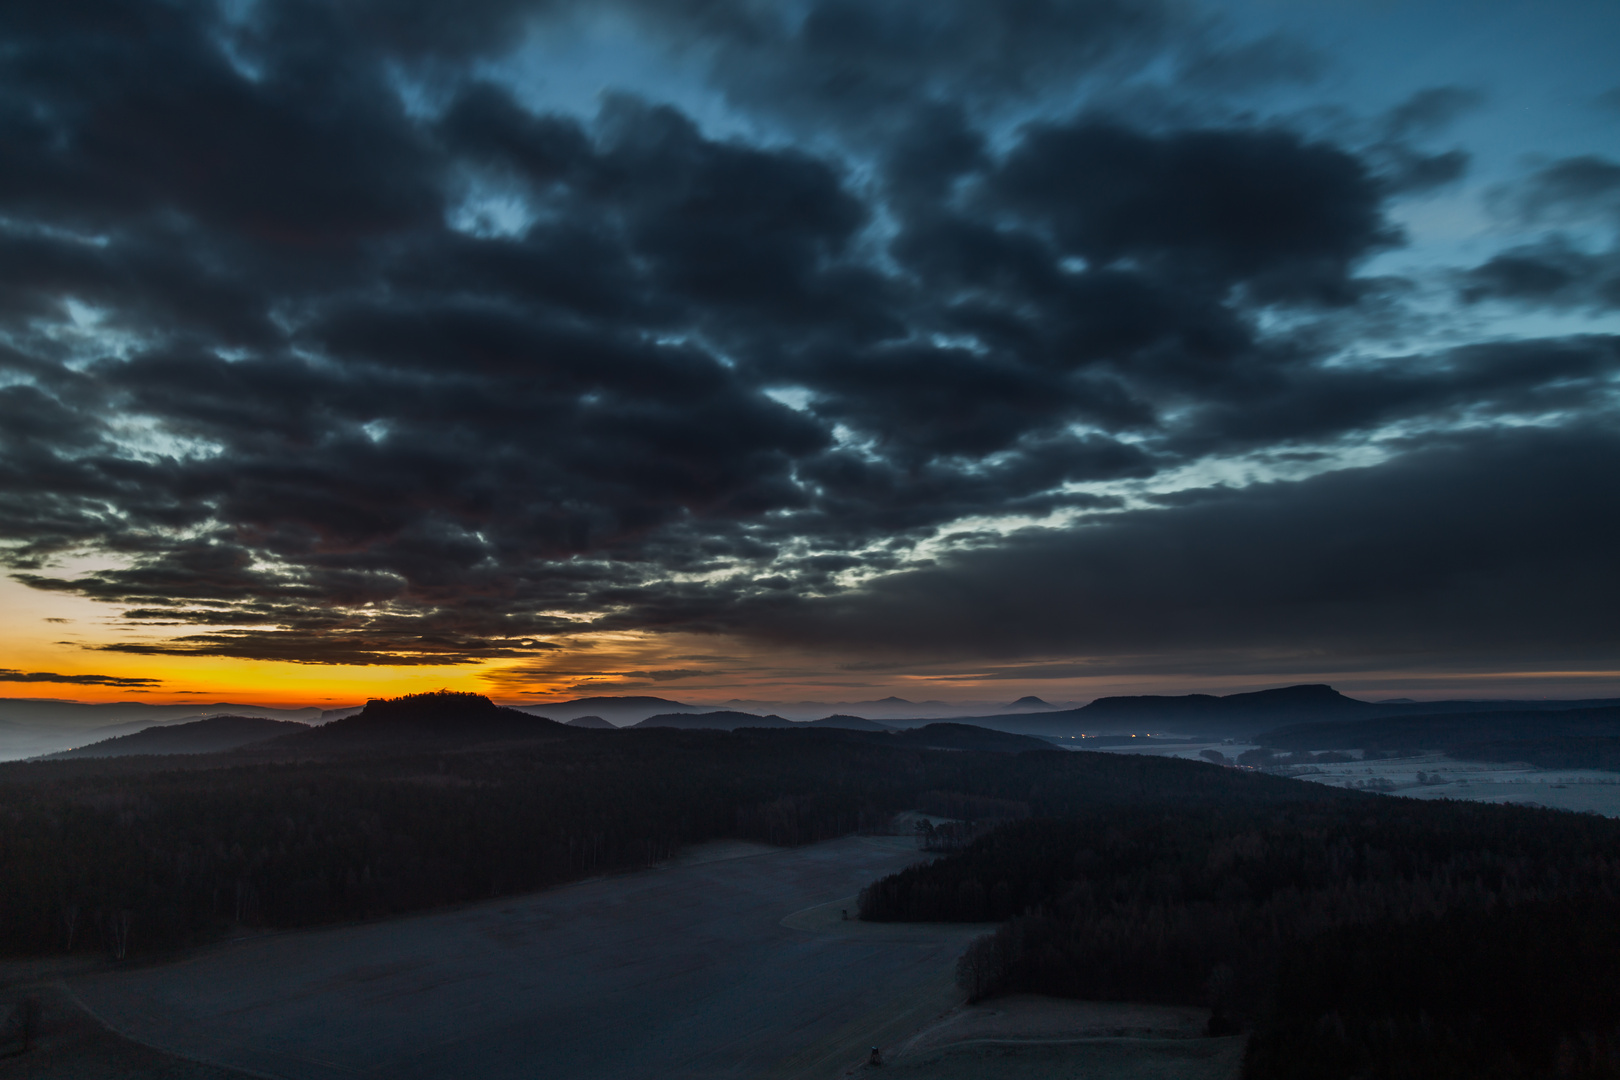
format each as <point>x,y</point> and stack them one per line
<point>335,350</point>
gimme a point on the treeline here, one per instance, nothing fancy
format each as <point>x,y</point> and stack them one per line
<point>174,855</point>
<point>1523,991</point>
<point>1294,920</point>
<point>147,853</point>
<point>1438,730</point>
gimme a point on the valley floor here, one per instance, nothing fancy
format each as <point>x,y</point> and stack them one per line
<point>685,971</point>
<point>1584,790</point>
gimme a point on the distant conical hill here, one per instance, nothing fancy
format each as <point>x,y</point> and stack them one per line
<point>592,722</point>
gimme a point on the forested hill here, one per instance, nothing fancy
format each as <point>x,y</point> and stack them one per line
<point>192,846</point>
<point>595,722</point>
<point>1386,938</point>
<point>950,736</point>
<point>443,717</point>
<point>848,723</point>
<point>1242,715</point>
<point>1187,714</point>
<point>208,736</point>
<point>618,711</point>
<point>721,720</point>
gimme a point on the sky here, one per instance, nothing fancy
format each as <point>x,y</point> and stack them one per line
<point>822,349</point>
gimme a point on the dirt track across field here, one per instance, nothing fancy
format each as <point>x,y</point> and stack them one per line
<point>1028,1037</point>
<point>738,966</point>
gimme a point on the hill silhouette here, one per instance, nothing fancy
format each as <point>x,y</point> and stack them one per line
<point>443,716</point>
<point>1189,714</point>
<point>619,711</point>
<point>847,723</point>
<point>1305,702</point>
<point>952,736</point>
<point>1030,703</point>
<point>721,720</point>
<point>208,736</point>
<point>592,722</point>
<point>31,727</point>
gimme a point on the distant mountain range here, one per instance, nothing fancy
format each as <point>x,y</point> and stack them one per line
<point>943,735</point>
<point>890,708</point>
<point>32,727</point>
<point>618,711</point>
<point>457,720</point>
<point>626,711</point>
<point>1243,715</point>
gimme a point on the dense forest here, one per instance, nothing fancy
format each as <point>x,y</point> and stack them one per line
<point>1554,752</point>
<point>1437,731</point>
<point>410,806</point>
<point>1390,937</point>
<point>1354,935</point>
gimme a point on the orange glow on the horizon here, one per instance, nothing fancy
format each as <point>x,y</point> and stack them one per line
<point>50,632</point>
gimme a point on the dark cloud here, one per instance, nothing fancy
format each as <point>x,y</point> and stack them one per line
<point>1556,271</point>
<point>1573,188</point>
<point>1397,149</point>
<point>1430,111</point>
<point>1494,547</point>
<point>864,67</point>
<point>1267,209</point>
<point>1238,66</point>
<point>1552,273</point>
<point>12,675</point>
<point>332,350</point>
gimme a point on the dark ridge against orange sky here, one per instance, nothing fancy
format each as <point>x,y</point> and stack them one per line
<point>808,350</point>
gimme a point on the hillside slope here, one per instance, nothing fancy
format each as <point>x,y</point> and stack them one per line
<point>208,736</point>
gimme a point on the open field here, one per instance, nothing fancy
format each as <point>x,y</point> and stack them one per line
<point>738,966</point>
<point>1585,790</point>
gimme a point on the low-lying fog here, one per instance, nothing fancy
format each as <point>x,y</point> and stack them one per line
<point>1430,776</point>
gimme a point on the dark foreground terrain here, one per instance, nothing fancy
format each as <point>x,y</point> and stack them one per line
<point>1336,933</point>
<point>681,972</point>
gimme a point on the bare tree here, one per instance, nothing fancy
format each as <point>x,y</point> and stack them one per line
<point>120,934</point>
<point>70,919</point>
<point>21,1027</point>
<point>28,1010</point>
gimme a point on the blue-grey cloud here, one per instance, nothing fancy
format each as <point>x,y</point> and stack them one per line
<point>329,372</point>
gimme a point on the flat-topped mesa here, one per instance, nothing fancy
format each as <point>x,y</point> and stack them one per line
<point>1312,698</point>
<point>441,714</point>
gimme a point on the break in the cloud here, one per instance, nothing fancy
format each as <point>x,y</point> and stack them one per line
<point>991,331</point>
